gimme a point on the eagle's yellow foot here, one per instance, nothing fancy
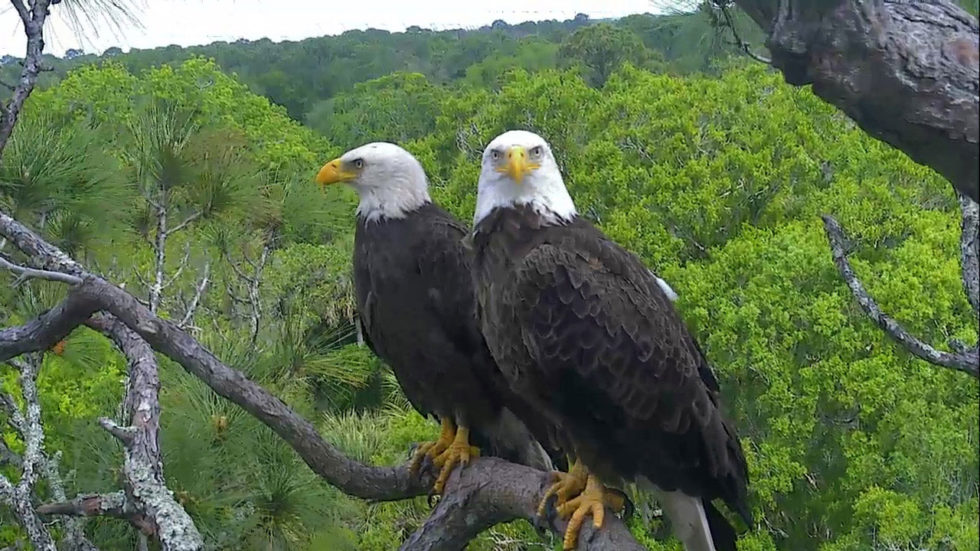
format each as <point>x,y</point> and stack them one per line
<point>433,449</point>
<point>565,486</point>
<point>594,500</point>
<point>458,453</point>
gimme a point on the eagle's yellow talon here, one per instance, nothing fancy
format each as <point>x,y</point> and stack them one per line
<point>592,501</point>
<point>564,487</point>
<point>433,449</point>
<point>458,453</point>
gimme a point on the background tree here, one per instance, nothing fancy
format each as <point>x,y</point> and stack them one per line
<point>716,180</point>
<point>602,48</point>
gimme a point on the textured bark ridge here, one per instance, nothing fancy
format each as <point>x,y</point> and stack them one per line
<point>905,70</point>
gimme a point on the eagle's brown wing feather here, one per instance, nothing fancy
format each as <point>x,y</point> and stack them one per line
<point>623,370</point>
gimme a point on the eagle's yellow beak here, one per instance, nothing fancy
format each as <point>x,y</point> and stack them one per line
<point>331,173</point>
<point>517,164</point>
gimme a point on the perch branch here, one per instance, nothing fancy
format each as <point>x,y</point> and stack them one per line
<point>488,496</point>
<point>966,361</point>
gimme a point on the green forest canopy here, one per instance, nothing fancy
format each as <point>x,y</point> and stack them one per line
<point>712,170</point>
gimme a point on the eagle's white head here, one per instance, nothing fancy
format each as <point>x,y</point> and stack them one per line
<point>519,169</point>
<point>389,180</point>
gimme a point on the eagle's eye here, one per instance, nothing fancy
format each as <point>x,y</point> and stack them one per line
<point>494,154</point>
<point>537,151</point>
<point>358,163</point>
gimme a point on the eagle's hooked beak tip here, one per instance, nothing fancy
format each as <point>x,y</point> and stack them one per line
<point>331,173</point>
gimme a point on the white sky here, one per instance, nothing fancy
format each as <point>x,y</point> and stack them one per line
<point>192,22</point>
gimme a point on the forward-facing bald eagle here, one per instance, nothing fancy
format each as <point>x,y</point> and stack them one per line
<point>588,335</point>
<point>417,311</point>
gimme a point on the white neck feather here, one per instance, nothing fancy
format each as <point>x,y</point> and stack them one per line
<point>394,200</point>
<point>543,190</point>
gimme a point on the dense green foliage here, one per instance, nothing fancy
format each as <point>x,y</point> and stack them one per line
<point>302,75</point>
<point>717,182</point>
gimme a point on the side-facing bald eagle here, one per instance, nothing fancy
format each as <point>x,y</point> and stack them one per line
<point>589,336</point>
<point>417,310</point>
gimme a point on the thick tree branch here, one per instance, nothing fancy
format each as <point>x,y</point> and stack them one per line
<point>488,495</point>
<point>492,491</point>
<point>907,71</point>
<point>28,424</point>
<point>966,360</point>
<point>32,18</point>
<point>50,327</point>
<point>143,464</point>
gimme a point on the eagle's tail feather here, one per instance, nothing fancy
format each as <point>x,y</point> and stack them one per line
<point>697,523</point>
<point>722,532</point>
<point>509,438</point>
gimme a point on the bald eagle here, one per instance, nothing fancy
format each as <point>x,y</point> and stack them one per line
<point>417,311</point>
<point>590,338</point>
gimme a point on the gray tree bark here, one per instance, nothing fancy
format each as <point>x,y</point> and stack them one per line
<point>906,71</point>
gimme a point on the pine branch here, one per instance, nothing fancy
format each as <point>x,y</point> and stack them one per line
<point>967,361</point>
<point>146,487</point>
<point>486,490</point>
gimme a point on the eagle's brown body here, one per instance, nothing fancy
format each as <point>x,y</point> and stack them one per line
<point>584,334</point>
<point>417,310</point>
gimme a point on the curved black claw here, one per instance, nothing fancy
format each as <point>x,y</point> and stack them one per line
<point>629,508</point>
<point>542,524</point>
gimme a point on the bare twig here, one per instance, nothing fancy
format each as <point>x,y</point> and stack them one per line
<point>180,267</point>
<point>160,250</point>
<point>742,44</point>
<point>90,505</point>
<point>74,534</point>
<point>32,16</point>
<point>970,251</point>
<point>252,284</point>
<point>187,221</point>
<point>38,274</point>
<point>966,361</point>
<point>198,293</point>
